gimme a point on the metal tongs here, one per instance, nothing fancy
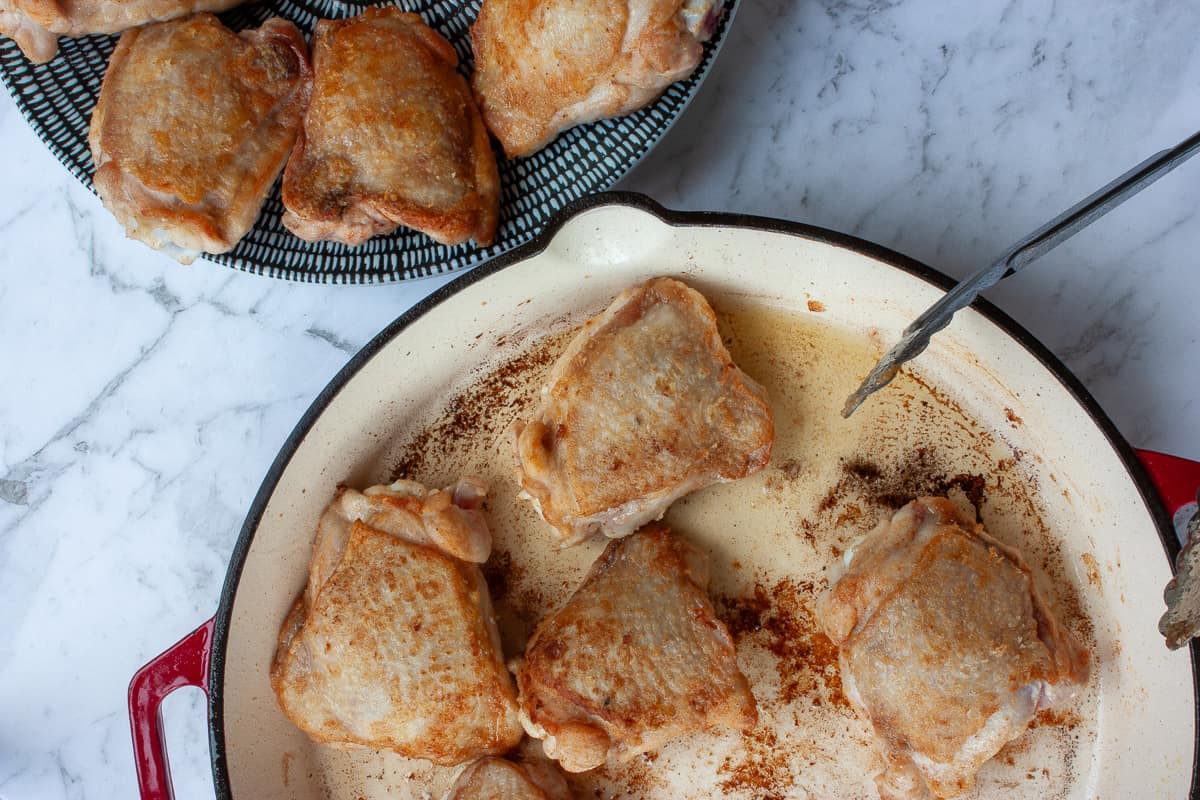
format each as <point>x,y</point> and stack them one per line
<point>917,335</point>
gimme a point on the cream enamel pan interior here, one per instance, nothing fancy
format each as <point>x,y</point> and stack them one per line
<point>985,414</point>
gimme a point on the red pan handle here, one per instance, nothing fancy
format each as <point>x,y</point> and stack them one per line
<point>1177,479</point>
<point>185,663</point>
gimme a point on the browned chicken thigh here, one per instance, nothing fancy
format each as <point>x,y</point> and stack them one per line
<point>644,406</point>
<point>193,125</point>
<point>946,647</point>
<point>499,779</point>
<point>392,644</point>
<point>636,657</point>
<point>542,66</point>
<point>392,137</point>
<point>35,25</point>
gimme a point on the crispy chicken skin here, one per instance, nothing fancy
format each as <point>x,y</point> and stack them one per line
<point>35,25</point>
<point>635,658</point>
<point>946,647</point>
<point>542,66</point>
<point>393,645</point>
<point>499,779</point>
<point>644,406</point>
<point>392,137</point>
<point>193,125</point>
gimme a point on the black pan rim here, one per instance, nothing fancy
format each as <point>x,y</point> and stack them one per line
<point>1133,466</point>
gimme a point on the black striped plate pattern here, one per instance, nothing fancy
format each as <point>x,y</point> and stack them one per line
<point>57,100</point>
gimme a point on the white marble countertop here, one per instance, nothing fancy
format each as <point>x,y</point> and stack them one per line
<point>143,401</point>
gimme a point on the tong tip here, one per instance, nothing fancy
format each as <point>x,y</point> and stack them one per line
<point>853,402</point>
<point>879,377</point>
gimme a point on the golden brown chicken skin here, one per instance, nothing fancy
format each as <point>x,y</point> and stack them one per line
<point>393,644</point>
<point>643,406</point>
<point>35,25</point>
<point>500,779</point>
<point>192,127</point>
<point>542,66</point>
<point>635,658</point>
<point>946,647</point>
<point>392,137</point>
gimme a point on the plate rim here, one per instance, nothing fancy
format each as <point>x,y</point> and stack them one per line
<point>709,219</point>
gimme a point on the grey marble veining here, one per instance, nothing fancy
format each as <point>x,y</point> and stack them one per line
<point>143,401</point>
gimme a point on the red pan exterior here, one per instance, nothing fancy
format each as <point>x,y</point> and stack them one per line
<point>1176,479</point>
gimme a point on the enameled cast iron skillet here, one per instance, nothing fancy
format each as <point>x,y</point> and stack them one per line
<point>1104,507</point>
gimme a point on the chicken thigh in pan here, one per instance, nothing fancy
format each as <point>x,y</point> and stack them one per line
<point>500,779</point>
<point>644,406</point>
<point>946,647</point>
<point>635,658</point>
<point>393,645</point>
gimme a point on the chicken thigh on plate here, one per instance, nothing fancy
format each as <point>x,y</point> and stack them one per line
<point>946,647</point>
<point>542,66</point>
<point>392,137</point>
<point>635,658</point>
<point>644,406</point>
<point>193,124</point>
<point>35,25</point>
<point>392,645</point>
